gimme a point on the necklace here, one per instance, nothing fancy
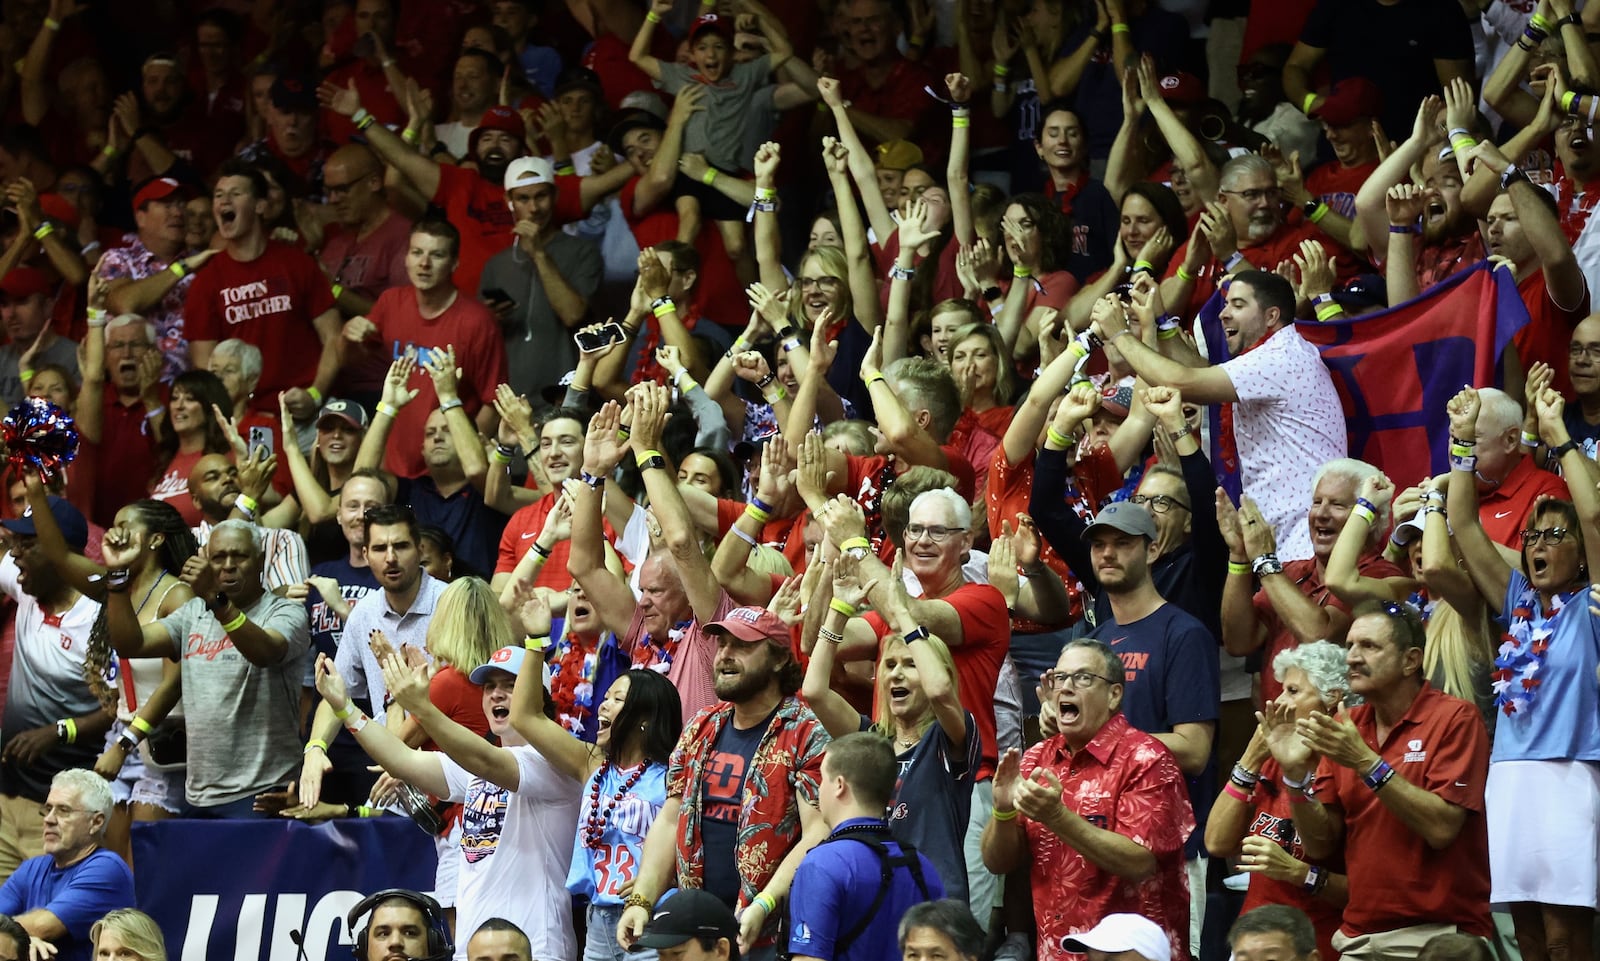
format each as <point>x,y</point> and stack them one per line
<point>146,599</point>
<point>595,826</point>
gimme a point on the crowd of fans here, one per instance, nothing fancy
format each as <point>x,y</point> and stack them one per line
<point>753,481</point>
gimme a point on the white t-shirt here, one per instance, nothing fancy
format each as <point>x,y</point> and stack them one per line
<point>1287,424</point>
<point>516,849</point>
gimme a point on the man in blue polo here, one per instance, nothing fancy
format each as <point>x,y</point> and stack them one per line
<point>840,908</point>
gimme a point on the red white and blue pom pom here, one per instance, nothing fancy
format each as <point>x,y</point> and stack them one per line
<point>39,437</point>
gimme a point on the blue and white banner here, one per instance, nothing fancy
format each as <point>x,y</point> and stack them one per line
<point>235,890</point>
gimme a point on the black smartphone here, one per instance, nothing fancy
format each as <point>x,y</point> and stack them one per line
<point>498,295</point>
<point>591,339</point>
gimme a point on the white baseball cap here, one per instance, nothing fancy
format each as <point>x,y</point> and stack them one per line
<point>1123,932</point>
<point>529,172</point>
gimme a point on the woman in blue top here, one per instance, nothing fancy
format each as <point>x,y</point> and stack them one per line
<point>1542,799</point>
<point>625,773</point>
<point>918,706</point>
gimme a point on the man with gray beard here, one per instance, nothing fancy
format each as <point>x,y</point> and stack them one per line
<point>1245,228</point>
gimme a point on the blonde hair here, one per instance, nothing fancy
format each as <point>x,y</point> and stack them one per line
<point>1452,648</point>
<point>833,263</point>
<point>1005,378</point>
<point>137,930</point>
<point>467,625</point>
<point>883,722</point>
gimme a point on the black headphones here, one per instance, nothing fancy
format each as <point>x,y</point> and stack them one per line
<point>440,947</point>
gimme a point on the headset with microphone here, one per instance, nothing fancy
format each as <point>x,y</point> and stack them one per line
<point>440,947</point>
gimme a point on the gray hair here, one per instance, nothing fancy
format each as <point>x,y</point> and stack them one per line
<point>960,510</point>
<point>949,917</point>
<point>248,355</point>
<point>1114,670</point>
<point>1355,471</point>
<point>250,530</point>
<point>1498,412</point>
<point>92,790</point>
<point>125,320</point>
<point>1244,167</point>
<point>1323,662</point>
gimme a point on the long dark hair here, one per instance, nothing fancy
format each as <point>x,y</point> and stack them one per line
<point>1055,231</point>
<point>922,283</point>
<point>652,704</point>
<point>205,387</point>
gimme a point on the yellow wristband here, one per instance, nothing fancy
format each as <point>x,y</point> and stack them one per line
<point>314,394</point>
<point>709,177</point>
<point>246,503</point>
<point>409,136</point>
<point>234,624</point>
<point>317,743</point>
<point>752,510</point>
<point>44,230</point>
<point>338,291</point>
<point>1238,567</point>
<point>27,375</point>
<point>1000,815</point>
<point>108,151</point>
<point>843,608</point>
<point>344,712</point>
<point>664,309</point>
<point>652,17</point>
<point>1183,274</point>
<point>51,23</point>
<point>178,269</point>
<point>1305,105</point>
<point>141,725</point>
<point>645,455</point>
<point>1017,270</point>
<point>1056,437</point>
<point>1121,28</point>
<point>72,730</point>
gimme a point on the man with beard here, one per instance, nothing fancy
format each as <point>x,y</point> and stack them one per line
<point>1103,815</point>
<point>548,275</point>
<point>132,399</point>
<point>268,293</point>
<point>428,317</point>
<point>1401,784</point>
<point>741,809</point>
<point>1264,108</point>
<point>1449,238</point>
<point>139,278</point>
<point>1063,145</point>
<point>292,138</point>
<point>401,608</point>
<point>240,648</point>
<point>215,484</point>
<point>52,721</point>
<point>1294,605</point>
<point>156,120</point>
<point>473,200</point>
<point>1287,417</point>
<point>1244,229</point>
<point>666,629</point>
<point>1524,227</point>
<point>330,594</point>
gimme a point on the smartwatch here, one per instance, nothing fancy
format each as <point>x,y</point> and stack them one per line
<point>653,463</point>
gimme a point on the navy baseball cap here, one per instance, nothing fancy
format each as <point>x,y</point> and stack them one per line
<point>73,527</point>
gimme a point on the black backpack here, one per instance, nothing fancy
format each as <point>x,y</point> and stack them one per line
<point>874,836</point>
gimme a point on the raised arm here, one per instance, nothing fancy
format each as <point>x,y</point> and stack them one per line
<point>409,687</point>
<point>831,708</point>
<point>395,395</point>
<point>960,88</point>
<point>607,591</point>
<point>650,403</point>
<point>421,769</point>
<point>441,367</point>
<point>1343,577</point>
<point>423,172</point>
<point>862,169</point>
<point>657,180</point>
<point>769,243</point>
<point>639,53</point>
<point>1307,620</point>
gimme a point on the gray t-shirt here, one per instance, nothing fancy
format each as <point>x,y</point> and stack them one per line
<point>539,347</point>
<point>718,128</point>
<point>243,720</point>
<point>61,351</point>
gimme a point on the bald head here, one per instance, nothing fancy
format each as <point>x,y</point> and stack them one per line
<point>214,485</point>
<point>353,181</point>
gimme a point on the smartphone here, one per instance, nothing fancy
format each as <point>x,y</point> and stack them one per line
<point>495,294</point>
<point>608,333</point>
<point>260,439</point>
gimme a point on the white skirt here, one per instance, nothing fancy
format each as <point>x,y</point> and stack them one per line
<point>1544,832</point>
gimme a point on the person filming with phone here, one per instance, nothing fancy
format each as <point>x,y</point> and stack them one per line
<point>426,316</point>
<point>540,286</point>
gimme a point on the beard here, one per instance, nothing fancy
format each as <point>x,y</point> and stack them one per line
<point>742,687</point>
<point>1262,226</point>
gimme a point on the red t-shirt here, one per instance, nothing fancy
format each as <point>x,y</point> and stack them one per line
<point>899,97</point>
<point>1274,820</point>
<point>173,486</point>
<point>376,98</point>
<point>523,527</point>
<point>478,209</point>
<point>986,630</point>
<point>368,267</point>
<point>1307,576</point>
<point>480,352</point>
<point>1336,185</point>
<point>269,302</point>
<point>1264,255</point>
<point>1548,330</point>
<point>718,290</point>
<point>1504,510</point>
<point>1396,879</point>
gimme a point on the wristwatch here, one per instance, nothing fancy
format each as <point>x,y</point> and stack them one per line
<point>653,463</point>
<point>218,601</point>
<point>1310,206</point>
<point>61,731</point>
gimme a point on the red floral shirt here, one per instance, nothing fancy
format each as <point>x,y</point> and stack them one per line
<point>786,771</point>
<point>1124,781</point>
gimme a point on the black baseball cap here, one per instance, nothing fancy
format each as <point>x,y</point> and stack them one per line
<point>631,120</point>
<point>690,913</point>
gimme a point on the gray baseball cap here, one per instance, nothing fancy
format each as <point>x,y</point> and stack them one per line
<point>1125,516</point>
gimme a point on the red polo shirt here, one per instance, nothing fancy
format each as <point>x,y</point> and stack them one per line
<point>1504,511</point>
<point>1396,879</point>
<point>1125,781</point>
<point>1308,577</point>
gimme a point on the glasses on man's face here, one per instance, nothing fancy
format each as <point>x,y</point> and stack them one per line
<point>1586,351</point>
<point>1077,680</point>
<point>58,811</point>
<point>1158,503</point>
<point>1552,536</point>
<point>336,190</point>
<point>822,283</point>
<point>1254,196</point>
<point>932,532</point>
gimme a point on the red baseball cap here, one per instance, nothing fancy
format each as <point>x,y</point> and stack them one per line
<point>500,118</point>
<point>711,21</point>
<point>58,208</point>
<point>752,624</point>
<point>23,282</point>
<point>156,188</point>
<point>1182,89</point>
<point>1349,101</point>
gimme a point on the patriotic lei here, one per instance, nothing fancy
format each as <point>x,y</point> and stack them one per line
<point>1523,648</point>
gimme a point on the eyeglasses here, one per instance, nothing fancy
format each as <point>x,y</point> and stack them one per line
<point>1079,680</point>
<point>1552,536</point>
<point>825,283</point>
<point>334,190</point>
<point>1254,196</point>
<point>1587,351</point>
<point>1158,503</point>
<point>59,811</point>
<point>932,532</point>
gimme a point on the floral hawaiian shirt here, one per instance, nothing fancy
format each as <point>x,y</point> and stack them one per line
<point>136,262</point>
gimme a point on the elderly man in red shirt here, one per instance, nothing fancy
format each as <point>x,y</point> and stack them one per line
<point>1098,812</point>
<point>1401,782</point>
<point>883,88</point>
<point>1509,481</point>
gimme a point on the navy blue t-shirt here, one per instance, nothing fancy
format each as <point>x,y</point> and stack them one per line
<point>473,525</point>
<point>932,800</point>
<point>722,794</point>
